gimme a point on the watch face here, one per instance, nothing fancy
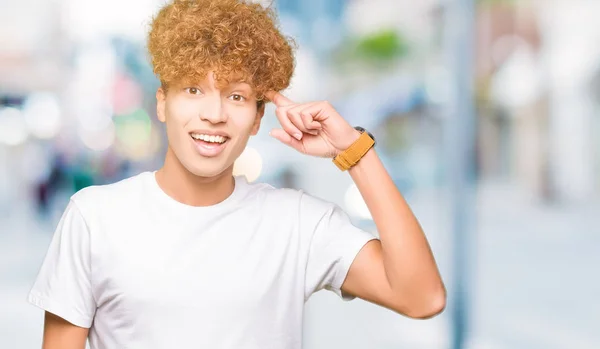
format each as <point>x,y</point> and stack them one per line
<point>361,129</point>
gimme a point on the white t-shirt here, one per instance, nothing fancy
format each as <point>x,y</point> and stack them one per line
<point>142,270</point>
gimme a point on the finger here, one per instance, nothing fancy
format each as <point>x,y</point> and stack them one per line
<point>309,124</point>
<point>278,99</point>
<point>287,124</point>
<point>295,117</point>
<point>297,121</point>
<point>309,118</point>
<point>316,110</point>
<point>285,138</point>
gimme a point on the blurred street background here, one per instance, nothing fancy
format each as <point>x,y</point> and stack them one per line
<point>487,115</point>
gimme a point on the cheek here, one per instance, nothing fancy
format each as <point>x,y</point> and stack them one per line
<point>177,118</point>
<point>242,120</point>
<point>180,112</point>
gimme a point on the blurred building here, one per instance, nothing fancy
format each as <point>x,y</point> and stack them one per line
<point>538,106</point>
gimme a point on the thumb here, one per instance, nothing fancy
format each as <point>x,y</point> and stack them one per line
<point>286,139</point>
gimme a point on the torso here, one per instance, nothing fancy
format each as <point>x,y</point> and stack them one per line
<point>166,276</point>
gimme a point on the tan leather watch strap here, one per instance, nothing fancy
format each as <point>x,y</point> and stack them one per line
<point>350,157</point>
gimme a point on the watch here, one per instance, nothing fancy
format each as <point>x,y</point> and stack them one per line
<point>351,156</point>
<point>361,130</point>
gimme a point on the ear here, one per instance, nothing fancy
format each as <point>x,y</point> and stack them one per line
<point>260,112</point>
<point>161,96</point>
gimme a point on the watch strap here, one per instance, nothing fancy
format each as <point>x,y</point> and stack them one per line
<point>351,156</point>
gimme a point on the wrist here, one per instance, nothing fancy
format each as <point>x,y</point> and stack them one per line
<point>349,157</point>
<point>364,163</point>
<point>352,136</point>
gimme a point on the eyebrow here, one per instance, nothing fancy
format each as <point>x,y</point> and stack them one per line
<point>241,85</point>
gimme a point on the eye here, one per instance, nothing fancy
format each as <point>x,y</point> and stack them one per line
<point>237,98</point>
<point>193,90</point>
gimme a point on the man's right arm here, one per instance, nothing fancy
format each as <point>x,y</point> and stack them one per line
<point>61,334</point>
<point>63,287</point>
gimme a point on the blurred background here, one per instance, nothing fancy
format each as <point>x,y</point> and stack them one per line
<point>487,115</point>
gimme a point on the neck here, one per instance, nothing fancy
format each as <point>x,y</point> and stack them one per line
<point>182,185</point>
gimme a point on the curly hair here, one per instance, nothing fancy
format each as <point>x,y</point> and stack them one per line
<point>237,40</point>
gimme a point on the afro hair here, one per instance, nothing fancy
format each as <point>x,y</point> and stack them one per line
<point>237,40</point>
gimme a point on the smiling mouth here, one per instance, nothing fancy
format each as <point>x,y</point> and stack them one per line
<point>209,139</point>
<point>208,146</point>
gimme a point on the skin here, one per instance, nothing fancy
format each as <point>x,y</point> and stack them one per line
<point>59,333</point>
<point>398,272</point>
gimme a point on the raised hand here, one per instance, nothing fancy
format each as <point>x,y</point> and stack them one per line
<point>314,128</point>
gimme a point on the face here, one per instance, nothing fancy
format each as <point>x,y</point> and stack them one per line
<point>208,128</point>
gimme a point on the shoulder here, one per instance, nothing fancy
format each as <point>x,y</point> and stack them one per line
<point>99,197</point>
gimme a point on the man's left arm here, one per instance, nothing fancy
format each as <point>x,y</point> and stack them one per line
<point>398,271</point>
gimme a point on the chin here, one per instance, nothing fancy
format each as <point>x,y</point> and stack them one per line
<point>206,169</point>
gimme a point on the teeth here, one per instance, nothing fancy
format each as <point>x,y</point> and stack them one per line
<point>207,138</point>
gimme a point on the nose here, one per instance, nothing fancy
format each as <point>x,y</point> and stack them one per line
<point>213,111</point>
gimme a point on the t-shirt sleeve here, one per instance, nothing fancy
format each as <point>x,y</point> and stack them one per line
<point>63,286</point>
<point>335,242</point>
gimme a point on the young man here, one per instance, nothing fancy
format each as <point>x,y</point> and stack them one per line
<point>190,256</point>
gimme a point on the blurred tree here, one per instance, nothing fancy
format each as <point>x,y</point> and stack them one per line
<point>377,48</point>
<point>384,45</point>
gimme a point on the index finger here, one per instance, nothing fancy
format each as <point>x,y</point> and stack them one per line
<point>278,99</point>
